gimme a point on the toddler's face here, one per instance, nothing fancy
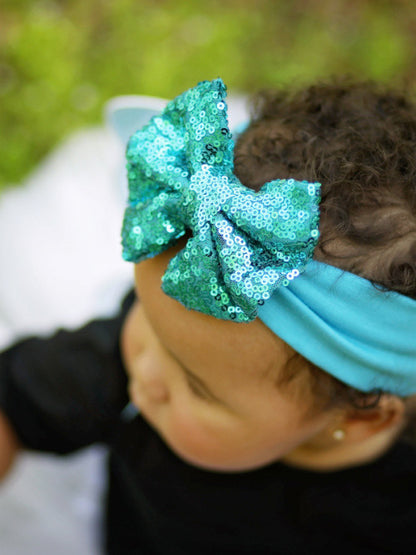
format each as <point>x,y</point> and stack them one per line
<point>207,386</point>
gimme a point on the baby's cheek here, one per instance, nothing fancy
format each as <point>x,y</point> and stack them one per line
<point>192,435</point>
<point>203,443</point>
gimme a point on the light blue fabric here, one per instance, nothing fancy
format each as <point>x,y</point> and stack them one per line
<point>363,336</point>
<point>126,118</point>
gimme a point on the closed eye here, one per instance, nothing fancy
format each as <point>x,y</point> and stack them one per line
<point>196,388</point>
<point>196,385</point>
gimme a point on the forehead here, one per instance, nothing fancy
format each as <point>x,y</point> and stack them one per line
<point>249,348</point>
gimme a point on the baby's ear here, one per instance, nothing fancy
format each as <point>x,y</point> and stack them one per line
<point>387,416</point>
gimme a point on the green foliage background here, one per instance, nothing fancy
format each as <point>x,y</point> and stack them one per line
<point>61,60</point>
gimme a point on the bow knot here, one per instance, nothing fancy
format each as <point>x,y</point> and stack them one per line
<point>244,244</point>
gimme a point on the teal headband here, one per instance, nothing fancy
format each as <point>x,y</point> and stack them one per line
<point>362,335</point>
<point>250,254</point>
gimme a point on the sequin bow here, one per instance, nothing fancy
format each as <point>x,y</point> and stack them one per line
<point>244,244</point>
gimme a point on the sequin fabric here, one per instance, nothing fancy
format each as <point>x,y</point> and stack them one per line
<point>244,244</point>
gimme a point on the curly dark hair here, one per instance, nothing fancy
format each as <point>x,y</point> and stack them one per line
<point>359,141</point>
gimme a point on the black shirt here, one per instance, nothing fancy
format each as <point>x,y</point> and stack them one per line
<point>68,391</point>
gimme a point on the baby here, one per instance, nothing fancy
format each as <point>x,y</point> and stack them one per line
<point>273,372</point>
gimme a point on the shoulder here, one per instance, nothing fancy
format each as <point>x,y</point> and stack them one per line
<point>65,391</point>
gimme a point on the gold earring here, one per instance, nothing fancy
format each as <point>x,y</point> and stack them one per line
<point>338,434</point>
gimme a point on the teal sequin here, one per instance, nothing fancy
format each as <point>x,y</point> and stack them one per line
<point>244,244</point>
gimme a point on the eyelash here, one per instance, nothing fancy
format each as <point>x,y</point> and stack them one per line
<point>195,390</point>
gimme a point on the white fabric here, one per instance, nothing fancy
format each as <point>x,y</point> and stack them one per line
<point>59,239</point>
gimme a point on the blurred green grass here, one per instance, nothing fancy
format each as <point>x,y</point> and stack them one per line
<point>61,60</point>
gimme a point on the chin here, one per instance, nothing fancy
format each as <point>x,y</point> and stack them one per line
<point>210,462</point>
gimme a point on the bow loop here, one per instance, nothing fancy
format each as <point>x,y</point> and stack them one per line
<point>244,244</point>
<point>201,115</point>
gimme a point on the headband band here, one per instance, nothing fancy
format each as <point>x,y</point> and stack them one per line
<point>363,336</point>
<point>250,253</point>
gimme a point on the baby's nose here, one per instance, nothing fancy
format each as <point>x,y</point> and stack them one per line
<point>152,378</point>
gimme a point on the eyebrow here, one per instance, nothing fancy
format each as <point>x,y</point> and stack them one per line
<point>210,395</point>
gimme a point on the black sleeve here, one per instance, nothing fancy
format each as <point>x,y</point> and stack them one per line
<point>65,392</point>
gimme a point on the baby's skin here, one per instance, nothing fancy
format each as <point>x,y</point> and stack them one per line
<point>208,387</point>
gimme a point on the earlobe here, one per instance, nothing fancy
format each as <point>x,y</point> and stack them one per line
<point>352,436</point>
